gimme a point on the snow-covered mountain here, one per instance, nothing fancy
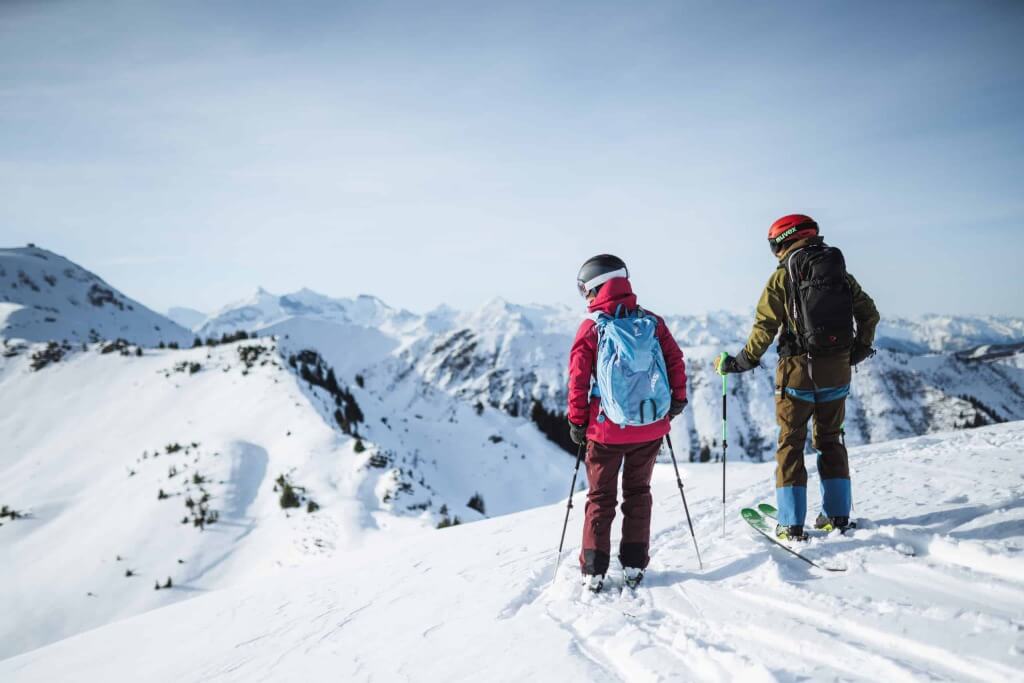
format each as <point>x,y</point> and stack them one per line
<point>46,297</point>
<point>264,311</point>
<point>133,470</point>
<point>933,589</point>
<point>137,465</point>
<point>939,333</point>
<point>513,358</point>
<point>928,375</point>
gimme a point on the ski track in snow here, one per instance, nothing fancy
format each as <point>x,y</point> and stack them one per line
<point>859,644</point>
<point>483,601</point>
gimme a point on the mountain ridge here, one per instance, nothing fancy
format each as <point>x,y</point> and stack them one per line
<point>513,357</point>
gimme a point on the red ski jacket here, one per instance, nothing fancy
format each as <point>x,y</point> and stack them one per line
<point>584,408</point>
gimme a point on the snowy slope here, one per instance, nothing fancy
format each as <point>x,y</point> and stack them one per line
<point>45,297</point>
<point>934,590</point>
<point>89,442</point>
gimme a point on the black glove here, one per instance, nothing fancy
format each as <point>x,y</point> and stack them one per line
<point>676,408</point>
<point>578,433</point>
<point>730,365</point>
<point>860,353</point>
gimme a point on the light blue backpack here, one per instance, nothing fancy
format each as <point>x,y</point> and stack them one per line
<point>632,380</point>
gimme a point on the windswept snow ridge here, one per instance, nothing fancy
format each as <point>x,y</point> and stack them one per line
<point>934,590</point>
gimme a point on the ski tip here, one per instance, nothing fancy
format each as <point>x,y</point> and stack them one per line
<point>750,514</point>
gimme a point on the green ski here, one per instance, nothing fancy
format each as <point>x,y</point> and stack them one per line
<point>758,523</point>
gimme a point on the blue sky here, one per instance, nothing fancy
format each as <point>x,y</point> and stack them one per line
<point>189,151</point>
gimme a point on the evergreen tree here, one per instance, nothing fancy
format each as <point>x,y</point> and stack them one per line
<point>476,503</point>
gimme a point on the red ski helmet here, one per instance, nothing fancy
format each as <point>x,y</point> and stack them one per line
<point>795,226</point>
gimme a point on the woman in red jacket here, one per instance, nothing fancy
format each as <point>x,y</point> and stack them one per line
<point>604,281</point>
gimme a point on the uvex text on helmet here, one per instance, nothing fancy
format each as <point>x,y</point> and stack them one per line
<point>789,228</point>
<point>598,270</point>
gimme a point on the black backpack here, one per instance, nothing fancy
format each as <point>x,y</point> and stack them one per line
<point>819,299</point>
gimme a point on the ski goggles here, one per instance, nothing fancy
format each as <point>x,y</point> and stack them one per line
<point>794,233</point>
<point>585,287</point>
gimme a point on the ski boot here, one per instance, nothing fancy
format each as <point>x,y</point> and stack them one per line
<point>828,524</point>
<point>790,533</point>
<point>632,576</point>
<point>594,582</point>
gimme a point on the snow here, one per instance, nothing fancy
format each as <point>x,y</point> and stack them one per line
<point>934,589</point>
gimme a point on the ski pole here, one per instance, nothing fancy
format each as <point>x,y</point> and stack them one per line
<point>725,435</point>
<point>568,506</point>
<point>679,482</point>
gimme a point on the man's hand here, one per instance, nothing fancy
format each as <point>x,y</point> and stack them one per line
<point>676,408</point>
<point>726,364</point>
<point>860,353</point>
<point>578,433</point>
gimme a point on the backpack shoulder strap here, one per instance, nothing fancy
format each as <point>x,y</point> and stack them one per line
<point>792,304</point>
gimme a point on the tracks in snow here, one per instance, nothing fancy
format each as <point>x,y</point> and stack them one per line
<point>755,615</point>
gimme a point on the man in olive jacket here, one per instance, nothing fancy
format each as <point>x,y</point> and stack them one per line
<point>808,383</point>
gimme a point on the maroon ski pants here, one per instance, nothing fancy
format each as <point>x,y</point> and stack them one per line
<point>603,463</point>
